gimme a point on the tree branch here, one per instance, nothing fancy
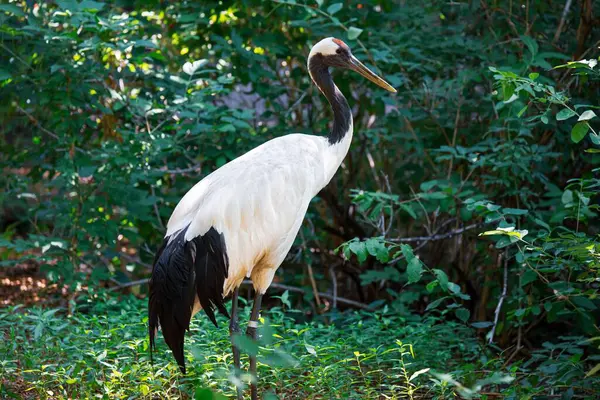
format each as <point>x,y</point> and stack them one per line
<point>123,285</point>
<point>281,286</point>
<point>441,236</point>
<point>562,21</point>
<point>278,286</point>
<point>502,296</point>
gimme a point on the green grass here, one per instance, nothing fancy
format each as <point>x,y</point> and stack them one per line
<point>101,351</point>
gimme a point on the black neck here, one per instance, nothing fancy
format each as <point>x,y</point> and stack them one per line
<point>342,116</point>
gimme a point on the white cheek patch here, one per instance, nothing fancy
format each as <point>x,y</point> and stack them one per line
<point>326,47</point>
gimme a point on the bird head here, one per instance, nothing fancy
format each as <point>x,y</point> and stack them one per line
<point>332,52</point>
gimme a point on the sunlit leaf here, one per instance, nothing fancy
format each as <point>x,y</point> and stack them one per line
<point>334,8</point>
<point>587,115</point>
<point>354,33</point>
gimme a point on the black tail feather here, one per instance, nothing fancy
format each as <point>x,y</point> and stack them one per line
<point>183,269</point>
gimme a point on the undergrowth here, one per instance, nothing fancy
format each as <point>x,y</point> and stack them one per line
<point>101,351</point>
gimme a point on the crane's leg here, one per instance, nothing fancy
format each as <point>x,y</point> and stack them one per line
<point>251,331</point>
<point>234,329</point>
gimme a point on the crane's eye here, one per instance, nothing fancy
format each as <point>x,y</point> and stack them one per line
<point>339,51</point>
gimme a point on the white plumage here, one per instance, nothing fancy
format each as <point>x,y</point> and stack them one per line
<point>325,47</point>
<point>258,202</point>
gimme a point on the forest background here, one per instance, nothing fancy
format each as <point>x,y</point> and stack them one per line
<point>455,252</point>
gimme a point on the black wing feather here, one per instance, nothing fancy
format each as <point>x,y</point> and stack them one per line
<point>181,270</point>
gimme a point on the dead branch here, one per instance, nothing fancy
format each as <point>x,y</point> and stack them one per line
<point>278,286</point>
<point>562,21</point>
<point>502,296</point>
<point>441,236</point>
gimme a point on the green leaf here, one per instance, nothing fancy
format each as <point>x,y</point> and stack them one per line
<point>514,211</point>
<point>279,359</point>
<point>587,115</point>
<point>463,314</point>
<point>419,372</point>
<point>442,278</point>
<point>4,75</point>
<point>508,89</point>
<point>285,299</point>
<point>567,197</point>
<point>377,249</point>
<point>565,113</point>
<point>510,231</point>
<point>246,344</point>
<point>354,33</point>
<point>533,76</point>
<point>414,270</point>
<point>207,394</point>
<point>91,5</point>
<point>453,287</point>
<point>434,304</point>
<point>531,45</point>
<point>415,267</point>
<point>332,9</point>
<point>12,9</point>
<point>360,249</point>
<point>584,302</point>
<point>431,286</point>
<point>481,324</point>
<point>579,131</point>
<point>593,371</point>
<point>310,349</point>
<point>528,277</point>
<point>409,210</point>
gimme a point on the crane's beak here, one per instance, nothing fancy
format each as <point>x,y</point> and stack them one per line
<point>359,67</point>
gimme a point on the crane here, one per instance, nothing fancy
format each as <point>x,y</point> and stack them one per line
<point>241,220</point>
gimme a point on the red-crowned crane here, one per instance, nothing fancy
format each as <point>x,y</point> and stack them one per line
<point>241,220</point>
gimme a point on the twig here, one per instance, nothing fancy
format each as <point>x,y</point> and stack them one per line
<point>456,120</point>
<point>281,286</point>
<point>289,111</point>
<point>391,221</point>
<point>278,286</point>
<point>15,56</point>
<point>562,21</point>
<point>334,282</point>
<point>311,275</point>
<point>46,131</point>
<point>517,350</point>
<point>428,227</point>
<point>135,260</point>
<point>502,296</point>
<point>156,209</point>
<point>313,284</point>
<point>180,171</point>
<point>127,284</point>
<point>442,235</point>
<point>371,162</point>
